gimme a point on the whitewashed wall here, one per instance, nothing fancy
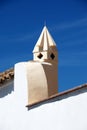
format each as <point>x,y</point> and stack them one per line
<point>67,114</point>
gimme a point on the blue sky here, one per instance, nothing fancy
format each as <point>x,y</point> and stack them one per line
<point>21,22</point>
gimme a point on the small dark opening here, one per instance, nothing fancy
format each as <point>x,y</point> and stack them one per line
<point>40,56</point>
<point>52,56</point>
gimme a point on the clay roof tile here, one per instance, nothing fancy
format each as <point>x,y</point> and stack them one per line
<point>6,76</point>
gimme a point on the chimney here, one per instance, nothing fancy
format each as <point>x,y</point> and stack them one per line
<point>42,71</point>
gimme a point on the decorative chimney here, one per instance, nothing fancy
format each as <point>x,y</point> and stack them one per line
<point>42,71</point>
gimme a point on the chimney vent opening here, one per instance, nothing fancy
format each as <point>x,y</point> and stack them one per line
<point>52,56</point>
<point>40,56</point>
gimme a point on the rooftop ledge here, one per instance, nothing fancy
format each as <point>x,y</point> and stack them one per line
<point>62,95</point>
